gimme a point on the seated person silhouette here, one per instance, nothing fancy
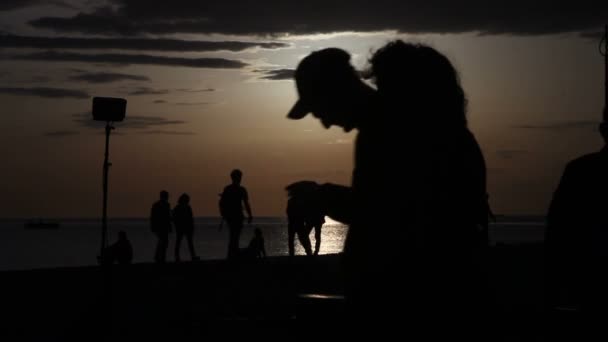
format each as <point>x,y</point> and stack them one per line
<point>256,248</point>
<point>305,212</point>
<point>120,252</point>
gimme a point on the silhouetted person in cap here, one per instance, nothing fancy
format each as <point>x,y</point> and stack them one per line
<point>418,185</point>
<point>576,240</point>
<point>232,200</point>
<point>160,224</point>
<point>183,221</point>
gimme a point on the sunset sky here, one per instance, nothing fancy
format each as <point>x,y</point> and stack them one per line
<point>208,85</point>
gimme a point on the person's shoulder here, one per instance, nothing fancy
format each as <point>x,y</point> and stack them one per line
<point>584,163</point>
<point>589,158</point>
<point>462,141</point>
<point>466,136</point>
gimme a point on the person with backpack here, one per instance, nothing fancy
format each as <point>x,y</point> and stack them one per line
<point>232,200</point>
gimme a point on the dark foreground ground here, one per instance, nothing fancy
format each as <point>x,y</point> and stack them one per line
<point>262,300</point>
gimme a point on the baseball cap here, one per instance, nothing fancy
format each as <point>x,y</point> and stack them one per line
<point>317,73</point>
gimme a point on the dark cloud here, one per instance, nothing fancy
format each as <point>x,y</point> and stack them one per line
<point>560,125</point>
<point>277,74</point>
<point>160,132</point>
<point>106,77</point>
<point>29,79</point>
<point>141,44</point>
<point>510,154</point>
<point>321,16</point>
<point>142,122</point>
<point>7,5</point>
<point>196,90</point>
<point>126,59</point>
<point>595,35</point>
<point>148,91</point>
<point>60,134</point>
<point>183,103</point>
<point>46,92</point>
<point>130,122</point>
<point>40,79</point>
<point>191,103</point>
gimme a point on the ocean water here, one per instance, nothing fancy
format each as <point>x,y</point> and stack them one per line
<point>77,241</point>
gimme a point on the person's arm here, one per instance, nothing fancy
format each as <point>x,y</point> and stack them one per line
<point>337,200</point>
<point>129,253</point>
<point>153,218</point>
<point>247,206</point>
<point>190,217</point>
<point>170,213</point>
<point>492,216</point>
<point>559,213</point>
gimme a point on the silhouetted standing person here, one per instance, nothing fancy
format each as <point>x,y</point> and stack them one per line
<point>576,240</point>
<point>232,200</point>
<point>418,185</point>
<point>315,222</point>
<point>304,213</point>
<point>183,221</point>
<point>160,224</point>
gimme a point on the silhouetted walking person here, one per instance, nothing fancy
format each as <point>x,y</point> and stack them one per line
<point>418,185</point>
<point>314,222</point>
<point>160,224</point>
<point>183,221</point>
<point>232,200</point>
<point>576,240</point>
<point>304,213</point>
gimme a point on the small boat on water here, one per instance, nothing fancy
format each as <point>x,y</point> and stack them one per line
<point>41,224</point>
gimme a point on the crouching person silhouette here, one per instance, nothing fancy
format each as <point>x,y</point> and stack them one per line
<point>120,252</point>
<point>255,249</point>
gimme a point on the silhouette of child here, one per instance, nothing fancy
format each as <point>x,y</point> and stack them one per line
<point>120,252</point>
<point>256,248</point>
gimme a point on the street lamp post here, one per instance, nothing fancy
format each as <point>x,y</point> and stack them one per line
<point>110,110</point>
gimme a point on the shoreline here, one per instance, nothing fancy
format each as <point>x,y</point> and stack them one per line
<point>131,299</point>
